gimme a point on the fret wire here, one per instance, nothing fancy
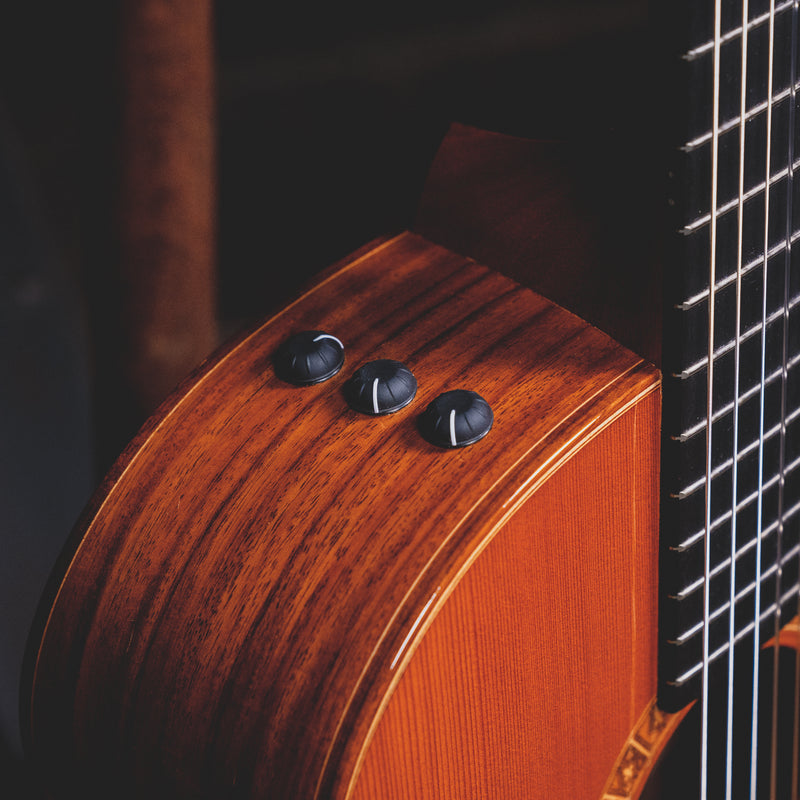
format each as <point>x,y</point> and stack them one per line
<point>692,540</point>
<point>689,490</point>
<point>700,222</point>
<point>764,615</point>
<point>732,34</point>
<point>725,410</point>
<point>789,468</point>
<point>689,590</point>
<point>774,609</point>
<point>729,279</point>
<point>687,635</point>
<point>739,596</point>
<point>696,537</point>
<point>728,346</point>
<point>698,141</point>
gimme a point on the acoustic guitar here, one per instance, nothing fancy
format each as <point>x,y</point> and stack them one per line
<point>426,534</point>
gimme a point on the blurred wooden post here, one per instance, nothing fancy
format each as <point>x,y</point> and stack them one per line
<point>167,194</point>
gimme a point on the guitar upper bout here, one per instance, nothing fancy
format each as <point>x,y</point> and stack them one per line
<point>270,581</point>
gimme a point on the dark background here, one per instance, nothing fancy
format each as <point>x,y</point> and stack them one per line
<point>329,115</point>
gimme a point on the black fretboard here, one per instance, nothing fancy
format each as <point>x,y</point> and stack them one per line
<point>731,490</point>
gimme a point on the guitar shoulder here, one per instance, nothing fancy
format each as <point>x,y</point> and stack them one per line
<point>278,595</point>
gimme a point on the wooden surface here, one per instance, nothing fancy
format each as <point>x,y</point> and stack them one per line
<point>562,219</point>
<point>789,636</point>
<point>640,753</point>
<point>256,574</point>
<point>536,669</point>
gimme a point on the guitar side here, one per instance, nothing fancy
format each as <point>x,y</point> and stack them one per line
<point>276,596</point>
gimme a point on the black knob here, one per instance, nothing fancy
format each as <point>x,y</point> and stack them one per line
<point>309,357</point>
<point>456,419</point>
<point>380,387</point>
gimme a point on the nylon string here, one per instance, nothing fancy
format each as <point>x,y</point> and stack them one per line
<point>734,468</point>
<point>760,506</point>
<point>782,454</point>
<point>784,413</point>
<point>710,400</point>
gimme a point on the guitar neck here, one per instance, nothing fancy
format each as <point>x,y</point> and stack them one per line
<point>731,346</point>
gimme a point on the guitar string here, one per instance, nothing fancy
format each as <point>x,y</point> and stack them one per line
<point>701,296</point>
<point>740,635</point>
<point>734,466</point>
<point>746,395</point>
<point>730,124</point>
<point>757,593</point>
<point>774,432</point>
<point>704,743</point>
<point>732,34</point>
<point>787,291</point>
<point>691,541</point>
<point>741,593</point>
<point>752,192</point>
<point>769,483</point>
<point>782,450</point>
<point>728,346</point>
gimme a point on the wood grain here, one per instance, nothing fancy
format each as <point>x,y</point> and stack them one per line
<point>257,573</point>
<point>537,667</point>
<point>561,219</point>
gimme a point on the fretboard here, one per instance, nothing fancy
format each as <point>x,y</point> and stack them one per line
<point>731,490</point>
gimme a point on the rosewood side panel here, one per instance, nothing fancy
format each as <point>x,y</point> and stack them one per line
<point>264,566</point>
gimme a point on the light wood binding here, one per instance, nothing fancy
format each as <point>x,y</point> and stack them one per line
<point>263,565</point>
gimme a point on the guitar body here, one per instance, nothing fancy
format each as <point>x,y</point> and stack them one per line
<point>274,595</point>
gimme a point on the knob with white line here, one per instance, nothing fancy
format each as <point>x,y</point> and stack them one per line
<point>380,387</point>
<point>309,357</point>
<point>456,419</point>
